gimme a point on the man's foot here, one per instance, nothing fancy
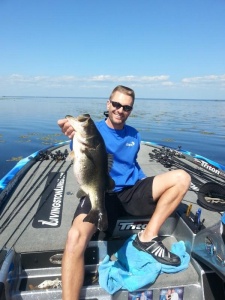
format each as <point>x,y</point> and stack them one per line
<point>156,248</point>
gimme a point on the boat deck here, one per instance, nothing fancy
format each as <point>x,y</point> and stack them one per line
<point>20,221</point>
<point>36,220</point>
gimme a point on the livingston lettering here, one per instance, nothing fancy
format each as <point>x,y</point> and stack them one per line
<point>56,204</point>
<point>49,213</point>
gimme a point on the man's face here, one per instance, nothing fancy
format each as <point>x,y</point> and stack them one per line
<point>118,115</point>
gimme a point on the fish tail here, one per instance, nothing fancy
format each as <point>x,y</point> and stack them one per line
<point>98,218</point>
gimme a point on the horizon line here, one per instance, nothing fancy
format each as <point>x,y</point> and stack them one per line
<point>138,98</point>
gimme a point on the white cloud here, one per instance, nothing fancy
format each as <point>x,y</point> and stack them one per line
<point>67,80</point>
<point>193,87</point>
<point>168,83</point>
<point>205,80</point>
<point>129,78</point>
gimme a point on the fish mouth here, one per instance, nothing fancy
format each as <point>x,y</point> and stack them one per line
<point>80,118</point>
<point>83,117</point>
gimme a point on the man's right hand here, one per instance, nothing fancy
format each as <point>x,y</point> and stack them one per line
<point>66,128</point>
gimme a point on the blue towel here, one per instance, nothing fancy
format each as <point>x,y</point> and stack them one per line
<point>134,269</point>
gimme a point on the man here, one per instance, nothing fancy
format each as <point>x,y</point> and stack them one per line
<point>168,294</point>
<point>143,296</point>
<point>134,193</point>
<point>174,295</point>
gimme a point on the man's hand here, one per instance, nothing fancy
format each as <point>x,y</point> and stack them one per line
<point>66,128</point>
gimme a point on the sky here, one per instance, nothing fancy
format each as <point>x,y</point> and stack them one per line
<point>84,48</point>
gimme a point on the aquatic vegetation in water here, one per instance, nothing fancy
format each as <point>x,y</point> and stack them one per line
<point>168,140</point>
<point>207,132</point>
<point>15,158</point>
<point>46,139</point>
<point>1,140</point>
<point>134,115</point>
<point>24,139</point>
<point>51,139</point>
<point>182,129</point>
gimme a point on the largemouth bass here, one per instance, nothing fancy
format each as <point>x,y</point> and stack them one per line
<point>91,168</point>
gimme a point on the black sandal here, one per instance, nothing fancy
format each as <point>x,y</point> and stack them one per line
<point>156,248</point>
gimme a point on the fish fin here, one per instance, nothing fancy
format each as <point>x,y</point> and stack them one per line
<point>71,156</point>
<point>89,153</point>
<point>81,193</point>
<point>99,219</point>
<point>110,161</point>
<point>110,184</point>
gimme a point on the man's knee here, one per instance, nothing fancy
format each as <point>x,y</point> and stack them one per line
<point>76,241</point>
<point>79,235</point>
<point>184,178</point>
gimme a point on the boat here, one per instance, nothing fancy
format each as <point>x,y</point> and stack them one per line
<point>37,203</point>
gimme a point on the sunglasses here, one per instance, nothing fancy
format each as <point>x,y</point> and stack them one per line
<point>117,105</point>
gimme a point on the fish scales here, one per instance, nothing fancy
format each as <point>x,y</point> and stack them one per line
<point>91,167</point>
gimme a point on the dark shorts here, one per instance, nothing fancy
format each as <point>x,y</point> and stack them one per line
<point>136,200</point>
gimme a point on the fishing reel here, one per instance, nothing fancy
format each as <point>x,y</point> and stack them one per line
<point>59,155</point>
<point>162,156</point>
<point>44,155</point>
<point>166,156</point>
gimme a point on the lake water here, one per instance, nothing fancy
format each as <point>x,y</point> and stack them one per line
<point>28,124</point>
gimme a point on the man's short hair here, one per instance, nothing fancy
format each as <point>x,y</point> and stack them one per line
<point>123,89</point>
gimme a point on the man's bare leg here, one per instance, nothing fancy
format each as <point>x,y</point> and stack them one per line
<point>73,258</point>
<point>168,190</point>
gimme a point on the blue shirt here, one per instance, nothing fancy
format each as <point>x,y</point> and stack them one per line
<point>124,146</point>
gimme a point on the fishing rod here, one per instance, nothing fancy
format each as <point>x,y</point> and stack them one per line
<point>33,205</point>
<point>8,182</point>
<point>195,182</point>
<point>42,157</point>
<point>198,160</point>
<point>172,158</point>
<point>209,188</point>
<point>25,200</point>
<point>198,172</point>
<point>55,157</point>
<point>168,161</point>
